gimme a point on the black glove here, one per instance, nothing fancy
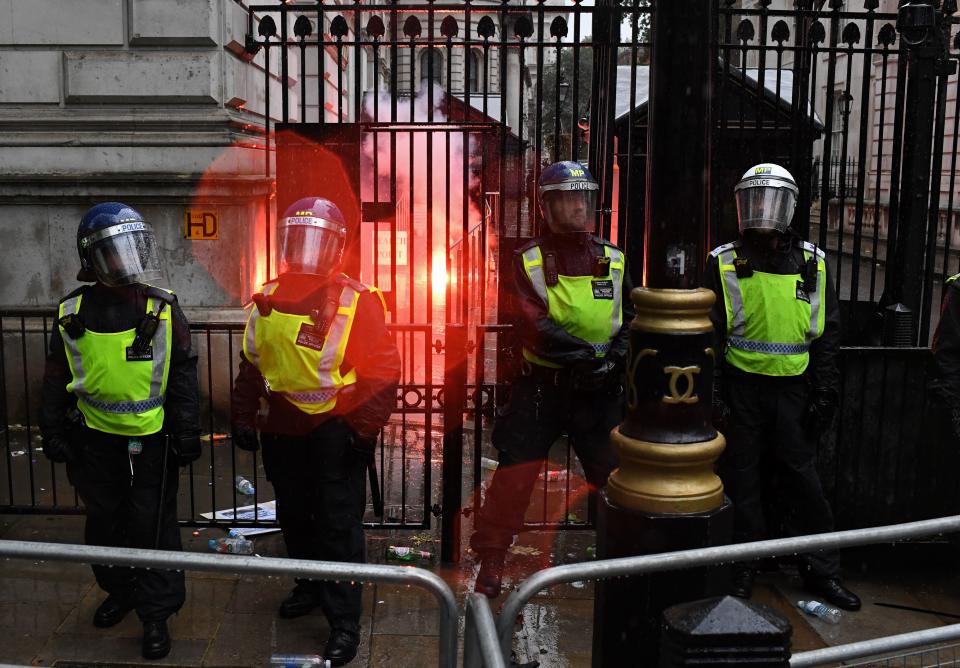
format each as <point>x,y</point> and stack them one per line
<point>57,449</point>
<point>820,412</point>
<point>365,446</point>
<point>245,437</point>
<point>592,376</point>
<point>955,422</point>
<point>186,448</point>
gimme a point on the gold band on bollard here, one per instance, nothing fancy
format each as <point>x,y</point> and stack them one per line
<point>668,311</point>
<point>668,478</point>
<point>671,478</point>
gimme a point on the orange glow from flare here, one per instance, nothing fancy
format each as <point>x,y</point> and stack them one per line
<point>438,278</point>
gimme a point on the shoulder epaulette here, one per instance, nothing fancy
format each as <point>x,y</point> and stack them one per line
<point>159,293</point>
<point>352,283</point>
<point>78,291</point>
<point>811,248</point>
<point>604,242</point>
<point>532,243</point>
<point>716,252</point>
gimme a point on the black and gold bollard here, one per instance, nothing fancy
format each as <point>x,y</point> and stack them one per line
<point>665,496</point>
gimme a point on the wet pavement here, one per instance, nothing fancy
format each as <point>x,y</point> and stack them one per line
<point>46,608</point>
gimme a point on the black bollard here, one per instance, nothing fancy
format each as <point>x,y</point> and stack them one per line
<point>722,632</point>
<point>665,496</point>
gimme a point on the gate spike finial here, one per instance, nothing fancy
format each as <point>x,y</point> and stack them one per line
<point>780,32</point>
<point>558,27</point>
<point>449,27</point>
<point>302,27</point>
<point>411,27</point>
<point>523,28</point>
<point>851,35</point>
<point>375,27</point>
<point>339,27</point>
<point>887,36</point>
<point>486,28</point>
<point>267,27</point>
<point>817,33</point>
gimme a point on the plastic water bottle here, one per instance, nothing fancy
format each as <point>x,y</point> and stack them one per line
<point>395,553</point>
<point>297,660</point>
<point>231,545</point>
<point>244,486</point>
<point>822,610</point>
<point>236,533</point>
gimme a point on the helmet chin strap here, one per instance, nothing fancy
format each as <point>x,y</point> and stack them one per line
<point>86,276</point>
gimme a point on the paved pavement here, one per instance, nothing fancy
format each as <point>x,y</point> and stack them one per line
<point>46,608</point>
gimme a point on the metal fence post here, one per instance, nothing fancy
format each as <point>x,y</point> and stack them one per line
<point>921,30</point>
<point>606,35</point>
<point>724,631</point>
<point>454,399</point>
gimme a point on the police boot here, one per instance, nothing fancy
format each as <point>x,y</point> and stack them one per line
<point>742,585</point>
<point>112,611</point>
<point>341,647</point>
<point>299,602</point>
<point>491,574</point>
<point>156,640</point>
<point>832,591</point>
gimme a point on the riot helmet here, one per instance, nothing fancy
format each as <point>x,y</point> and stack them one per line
<point>117,246</point>
<point>567,195</point>
<point>766,198</point>
<point>311,238</point>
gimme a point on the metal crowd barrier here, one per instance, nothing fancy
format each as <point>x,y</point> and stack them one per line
<point>317,570</point>
<point>480,645</point>
<point>608,568</point>
<point>875,646</point>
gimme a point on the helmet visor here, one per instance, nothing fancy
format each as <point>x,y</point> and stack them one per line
<point>570,211</point>
<point>766,208</point>
<point>311,249</point>
<point>124,254</point>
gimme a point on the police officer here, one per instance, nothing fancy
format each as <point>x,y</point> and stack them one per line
<point>572,316</point>
<point>777,320</point>
<point>945,381</point>
<point>941,431</point>
<point>317,352</point>
<point>120,407</point>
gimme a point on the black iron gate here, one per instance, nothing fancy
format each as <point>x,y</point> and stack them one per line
<point>435,120</point>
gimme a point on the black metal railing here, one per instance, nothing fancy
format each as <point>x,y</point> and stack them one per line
<point>841,176</point>
<point>208,496</point>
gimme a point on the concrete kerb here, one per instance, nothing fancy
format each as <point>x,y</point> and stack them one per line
<point>318,570</point>
<point>653,563</point>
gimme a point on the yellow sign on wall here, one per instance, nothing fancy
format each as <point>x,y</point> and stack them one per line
<point>201,225</point>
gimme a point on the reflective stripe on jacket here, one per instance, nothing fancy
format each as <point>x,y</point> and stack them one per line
<point>587,307</point>
<point>295,360</point>
<point>771,319</point>
<point>118,391</point>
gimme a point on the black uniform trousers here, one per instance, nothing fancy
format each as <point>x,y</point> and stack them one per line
<point>535,416</point>
<point>321,495</point>
<point>122,511</point>
<point>768,420</point>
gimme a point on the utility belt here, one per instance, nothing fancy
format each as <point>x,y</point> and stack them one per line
<point>543,375</point>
